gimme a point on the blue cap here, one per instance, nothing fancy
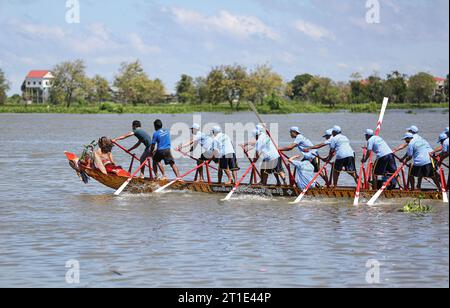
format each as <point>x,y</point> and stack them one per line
<point>442,137</point>
<point>328,133</point>
<point>413,129</point>
<point>369,132</point>
<point>337,129</point>
<point>408,136</point>
<point>295,129</point>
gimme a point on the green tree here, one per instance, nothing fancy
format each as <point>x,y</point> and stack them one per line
<point>4,87</point>
<point>374,89</point>
<point>236,84</point>
<point>358,89</point>
<point>216,86</point>
<point>201,90</point>
<point>263,82</point>
<point>395,87</point>
<point>135,87</point>
<point>101,91</point>
<point>68,83</point>
<point>322,90</point>
<point>297,85</point>
<point>421,88</point>
<point>186,90</point>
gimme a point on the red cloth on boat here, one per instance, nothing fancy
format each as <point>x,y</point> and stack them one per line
<point>111,168</point>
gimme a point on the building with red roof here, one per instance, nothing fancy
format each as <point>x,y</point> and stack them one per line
<point>36,87</point>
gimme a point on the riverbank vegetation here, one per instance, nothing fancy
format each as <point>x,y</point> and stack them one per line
<point>226,88</point>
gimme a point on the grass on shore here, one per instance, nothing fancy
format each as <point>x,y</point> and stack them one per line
<point>287,108</point>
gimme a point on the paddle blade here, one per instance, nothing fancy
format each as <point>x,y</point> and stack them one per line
<point>122,188</point>
<point>161,189</point>
<point>228,197</point>
<point>299,199</point>
<point>444,197</point>
<point>375,198</point>
<point>356,201</point>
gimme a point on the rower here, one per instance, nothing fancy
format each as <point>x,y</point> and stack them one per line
<point>207,147</point>
<point>161,150</point>
<point>444,152</point>
<point>143,138</point>
<point>328,136</point>
<point>423,167</point>
<point>385,165</point>
<point>304,145</point>
<point>304,170</point>
<point>345,156</point>
<point>272,162</point>
<point>414,130</point>
<point>227,156</point>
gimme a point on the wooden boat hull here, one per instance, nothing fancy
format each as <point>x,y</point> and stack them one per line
<point>148,186</point>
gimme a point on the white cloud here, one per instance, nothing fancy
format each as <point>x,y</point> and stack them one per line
<point>138,44</point>
<point>241,26</point>
<point>96,37</point>
<point>37,30</point>
<point>313,31</point>
<point>342,65</point>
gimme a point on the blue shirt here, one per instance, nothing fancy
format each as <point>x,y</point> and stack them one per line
<point>162,139</point>
<point>420,150</point>
<point>302,142</point>
<point>342,146</point>
<point>305,173</point>
<point>445,146</point>
<point>378,146</point>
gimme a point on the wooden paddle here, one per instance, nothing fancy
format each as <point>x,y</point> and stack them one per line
<point>300,198</point>
<point>180,178</point>
<point>124,185</point>
<point>193,158</point>
<point>228,197</point>
<point>385,186</point>
<point>444,190</point>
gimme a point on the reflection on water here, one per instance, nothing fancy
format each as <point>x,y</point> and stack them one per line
<point>47,217</point>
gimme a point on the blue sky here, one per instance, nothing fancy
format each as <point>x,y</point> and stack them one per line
<point>322,37</point>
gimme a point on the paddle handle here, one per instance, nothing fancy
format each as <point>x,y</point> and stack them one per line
<point>180,178</point>
<point>358,186</point>
<point>385,186</point>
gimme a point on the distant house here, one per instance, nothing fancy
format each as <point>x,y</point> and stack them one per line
<point>440,82</point>
<point>36,87</point>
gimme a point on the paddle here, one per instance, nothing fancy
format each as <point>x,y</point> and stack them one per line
<point>377,133</point>
<point>358,187</point>
<point>288,167</point>
<point>193,158</point>
<point>180,178</point>
<point>124,185</point>
<point>228,197</point>
<point>444,190</point>
<point>300,198</point>
<point>132,155</point>
<point>385,186</point>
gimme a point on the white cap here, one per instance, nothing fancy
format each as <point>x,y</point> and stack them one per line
<point>408,136</point>
<point>413,129</point>
<point>337,129</point>
<point>195,126</point>
<point>442,137</point>
<point>328,133</point>
<point>369,132</point>
<point>295,129</point>
<point>260,127</point>
<point>256,132</point>
<point>216,130</point>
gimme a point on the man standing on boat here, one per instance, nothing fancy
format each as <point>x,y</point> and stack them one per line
<point>423,167</point>
<point>345,156</point>
<point>143,138</point>
<point>271,159</point>
<point>304,145</point>
<point>385,164</point>
<point>227,154</point>
<point>207,145</point>
<point>414,130</point>
<point>304,170</point>
<point>161,150</point>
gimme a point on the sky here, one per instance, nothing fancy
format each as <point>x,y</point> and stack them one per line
<point>330,38</point>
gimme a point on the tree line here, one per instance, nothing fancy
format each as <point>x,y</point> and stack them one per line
<point>234,84</point>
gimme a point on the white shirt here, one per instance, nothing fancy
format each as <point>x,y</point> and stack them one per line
<point>224,145</point>
<point>266,148</point>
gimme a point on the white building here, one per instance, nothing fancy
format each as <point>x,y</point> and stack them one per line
<point>36,87</point>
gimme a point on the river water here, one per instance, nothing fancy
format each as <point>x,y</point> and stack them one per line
<point>179,239</point>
